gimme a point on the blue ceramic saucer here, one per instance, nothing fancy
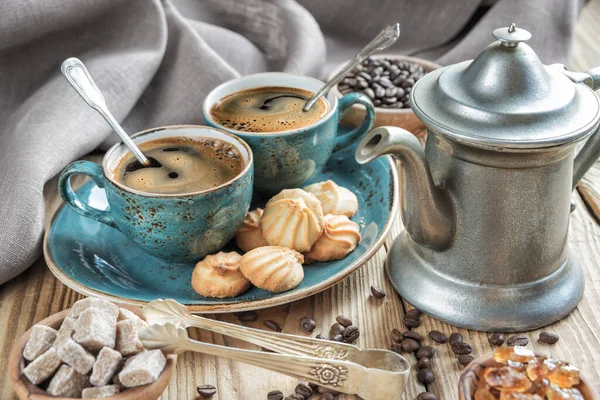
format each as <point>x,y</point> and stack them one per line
<point>96,260</point>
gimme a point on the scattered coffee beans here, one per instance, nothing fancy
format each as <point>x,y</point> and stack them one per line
<point>319,336</point>
<point>386,81</point>
<point>465,359</point>
<point>517,340</point>
<point>414,313</point>
<point>247,316</point>
<point>425,351</point>
<point>337,329</point>
<point>497,339</point>
<point>304,390</point>
<point>413,335</point>
<point>377,293</point>
<point>395,347</point>
<point>351,334</point>
<point>275,395</point>
<point>411,321</point>
<point>397,335</point>
<point>548,337</point>
<point>344,321</point>
<point>437,336</point>
<point>272,325</point>
<point>462,348</point>
<point>455,338</point>
<point>338,337</point>
<point>424,363</point>
<point>295,396</point>
<point>206,390</point>
<point>409,345</point>
<point>425,376</point>
<point>426,396</point>
<point>308,324</point>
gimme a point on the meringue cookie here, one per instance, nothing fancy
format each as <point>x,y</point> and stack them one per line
<point>334,199</point>
<point>249,236</point>
<point>219,276</point>
<point>273,268</point>
<point>340,236</point>
<point>292,219</point>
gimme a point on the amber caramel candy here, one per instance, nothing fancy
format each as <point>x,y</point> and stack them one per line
<point>507,378</point>
<point>508,395</point>
<point>517,354</point>
<point>556,393</point>
<point>485,391</point>
<point>564,376</point>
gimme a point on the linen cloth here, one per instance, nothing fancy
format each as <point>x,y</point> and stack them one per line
<point>156,60</point>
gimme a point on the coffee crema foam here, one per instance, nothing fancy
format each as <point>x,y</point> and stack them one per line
<point>180,165</point>
<point>268,109</point>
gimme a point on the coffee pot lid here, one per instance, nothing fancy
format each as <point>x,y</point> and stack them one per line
<point>506,98</point>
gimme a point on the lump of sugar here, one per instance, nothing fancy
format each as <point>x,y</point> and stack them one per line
<point>94,302</point>
<point>67,383</point>
<point>128,343</point>
<point>66,330</point>
<point>106,366</point>
<point>143,368</point>
<point>42,367</point>
<point>75,355</point>
<point>41,339</point>
<point>97,392</point>
<point>126,314</point>
<point>95,329</point>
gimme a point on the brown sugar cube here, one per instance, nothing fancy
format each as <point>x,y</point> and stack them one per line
<point>126,314</point>
<point>143,368</point>
<point>41,339</point>
<point>94,302</point>
<point>102,391</point>
<point>106,366</point>
<point>95,329</point>
<point>66,330</point>
<point>128,342</point>
<point>67,383</point>
<point>42,367</point>
<point>75,355</point>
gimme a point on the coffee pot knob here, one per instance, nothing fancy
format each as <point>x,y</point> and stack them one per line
<point>511,36</point>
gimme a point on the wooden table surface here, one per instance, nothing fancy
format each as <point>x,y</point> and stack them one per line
<point>36,294</point>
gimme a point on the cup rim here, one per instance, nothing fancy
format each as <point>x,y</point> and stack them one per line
<point>333,104</point>
<point>243,173</point>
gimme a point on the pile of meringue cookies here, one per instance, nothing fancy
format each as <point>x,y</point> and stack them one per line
<point>297,226</point>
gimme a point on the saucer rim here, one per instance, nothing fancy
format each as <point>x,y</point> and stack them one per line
<point>244,305</point>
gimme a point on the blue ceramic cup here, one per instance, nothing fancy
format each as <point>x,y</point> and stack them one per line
<point>175,227</point>
<point>288,159</point>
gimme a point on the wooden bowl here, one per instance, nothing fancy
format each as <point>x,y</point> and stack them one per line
<point>402,117</point>
<point>27,391</point>
<point>473,372</point>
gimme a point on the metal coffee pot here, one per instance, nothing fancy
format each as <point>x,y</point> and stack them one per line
<point>486,205</point>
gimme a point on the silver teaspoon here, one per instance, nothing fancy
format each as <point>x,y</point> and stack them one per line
<point>79,77</point>
<point>385,39</point>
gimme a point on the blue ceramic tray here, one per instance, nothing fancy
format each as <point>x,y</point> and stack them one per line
<point>96,260</point>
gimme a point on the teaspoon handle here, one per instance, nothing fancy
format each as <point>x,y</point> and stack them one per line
<point>79,77</point>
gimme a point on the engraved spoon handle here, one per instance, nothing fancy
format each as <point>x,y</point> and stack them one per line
<point>386,38</point>
<point>81,80</point>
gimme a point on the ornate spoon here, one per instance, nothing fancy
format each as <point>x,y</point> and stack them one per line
<point>385,39</point>
<point>381,381</point>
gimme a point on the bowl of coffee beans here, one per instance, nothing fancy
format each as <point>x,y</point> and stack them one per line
<point>387,80</point>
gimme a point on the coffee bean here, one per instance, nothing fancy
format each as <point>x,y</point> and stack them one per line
<point>462,348</point>
<point>548,337</point>
<point>319,336</point>
<point>465,359</point>
<point>337,328</point>
<point>397,336</point>
<point>413,335</point>
<point>517,340</point>
<point>424,363</point>
<point>376,78</point>
<point>362,84</point>
<point>414,313</point>
<point>206,390</point>
<point>344,321</point>
<point>272,325</point>
<point>338,337</point>
<point>308,324</point>
<point>295,396</point>
<point>247,316</point>
<point>351,334</point>
<point>425,351</point>
<point>313,386</point>
<point>275,395</point>
<point>395,347</point>
<point>370,93</point>
<point>380,92</point>
<point>497,339</point>
<point>406,104</point>
<point>409,345</point>
<point>365,76</point>
<point>425,376</point>
<point>426,396</point>
<point>455,338</point>
<point>437,336</point>
<point>304,390</point>
<point>378,71</point>
<point>377,103</point>
<point>386,83</point>
<point>389,100</point>
<point>377,293</point>
<point>412,321</point>
<point>391,92</point>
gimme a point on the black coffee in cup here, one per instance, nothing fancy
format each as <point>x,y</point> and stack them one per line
<point>180,165</point>
<point>268,109</point>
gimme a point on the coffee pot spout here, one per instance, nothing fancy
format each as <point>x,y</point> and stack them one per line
<point>427,211</point>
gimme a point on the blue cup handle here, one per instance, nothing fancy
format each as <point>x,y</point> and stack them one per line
<point>94,171</point>
<point>344,105</point>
